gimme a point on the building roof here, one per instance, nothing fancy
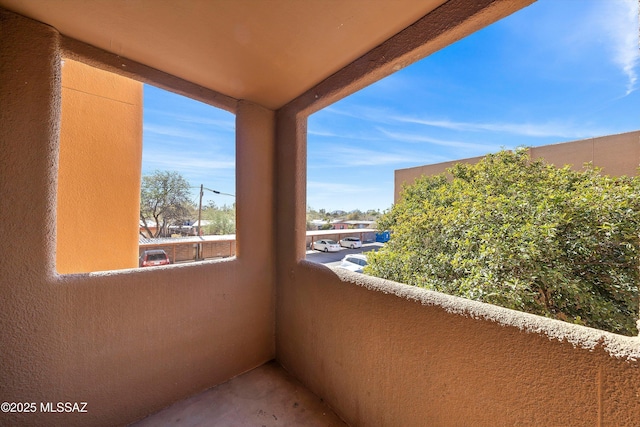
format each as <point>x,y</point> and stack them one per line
<point>150,224</point>
<point>195,224</point>
<point>353,221</point>
<point>354,231</point>
<point>144,241</point>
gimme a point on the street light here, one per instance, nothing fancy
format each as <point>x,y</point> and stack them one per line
<point>202,188</point>
<point>217,192</point>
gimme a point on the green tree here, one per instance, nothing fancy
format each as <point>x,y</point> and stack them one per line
<point>372,214</point>
<point>522,234</point>
<point>164,199</point>
<point>355,215</point>
<point>222,219</point>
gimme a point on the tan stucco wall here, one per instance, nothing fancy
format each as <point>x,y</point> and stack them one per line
<point>132,341</point>
<point>129,342</point>
<point>387,354</point>
<point>99,170</point>
<point>617,155</point>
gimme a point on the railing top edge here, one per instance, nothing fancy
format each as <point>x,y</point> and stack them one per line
<point>617,346</point>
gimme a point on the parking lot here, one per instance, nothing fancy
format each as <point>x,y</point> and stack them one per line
<point>332,259</point>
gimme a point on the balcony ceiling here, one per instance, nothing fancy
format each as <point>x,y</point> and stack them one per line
<point>264,51</point>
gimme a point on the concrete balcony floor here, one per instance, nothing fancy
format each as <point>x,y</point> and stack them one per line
<point>266,396</point>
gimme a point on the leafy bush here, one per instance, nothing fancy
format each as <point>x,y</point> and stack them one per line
<point>522,234</point>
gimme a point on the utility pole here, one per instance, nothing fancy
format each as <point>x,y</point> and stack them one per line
<point>199,247</point>
<point>202,188</point>
<point>200,211</point>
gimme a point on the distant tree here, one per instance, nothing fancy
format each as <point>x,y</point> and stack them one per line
<point>355,215</point>
<point>372,214</point>
<point>522,234</point>
<point>222,219</point>
<point>164,199</point>
<point>313,214</point>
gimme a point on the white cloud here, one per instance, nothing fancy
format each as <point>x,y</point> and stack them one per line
<point>345,134</point>
<point>343,112</point>
<point>174,131</point>
<point>348,156</point>
<point>217,118</point>
<point>223,124</point>
<point>413,138</point>
<point>318,132</point>
<point>369,113</point>
<point>182,161</point>
<point>618,20</point>
<point>525,129</point>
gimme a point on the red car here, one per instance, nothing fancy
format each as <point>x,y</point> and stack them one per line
<point>154,257</point>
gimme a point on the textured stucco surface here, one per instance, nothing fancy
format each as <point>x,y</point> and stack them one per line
<point>386,354</point>
<point>100,160</point>
<point>133,341</point>
<point>617,155</point>
<point>267,52</point>
<point>129,342</point>
<point>265,396</point>
<point>381,353</point>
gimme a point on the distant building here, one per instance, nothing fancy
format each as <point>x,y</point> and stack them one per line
<point>152,227</point>
<point>617,155</point>
<point>318,224</point>
<point>340,224</point>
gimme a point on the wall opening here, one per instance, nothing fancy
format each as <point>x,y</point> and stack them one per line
<point>548,74</point>
<point>128,148</point>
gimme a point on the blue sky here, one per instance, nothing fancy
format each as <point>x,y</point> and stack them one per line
<point>557,71</point>
<point>192,138</point>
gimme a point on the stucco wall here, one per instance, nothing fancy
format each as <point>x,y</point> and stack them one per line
<point>617,155</point>
<point>99,170</point>
<point>387,354</point>
<point>132,341</point>
<point>129,342</point>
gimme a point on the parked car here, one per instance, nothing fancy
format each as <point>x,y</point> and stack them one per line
<point>153,257</point>
<point>354,262</point>
<point>351,242</point>
<point>326,245</point>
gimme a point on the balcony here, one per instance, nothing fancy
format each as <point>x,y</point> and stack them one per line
<point>383,353</point>
<point>133,342</point>
<point>266,395</point>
